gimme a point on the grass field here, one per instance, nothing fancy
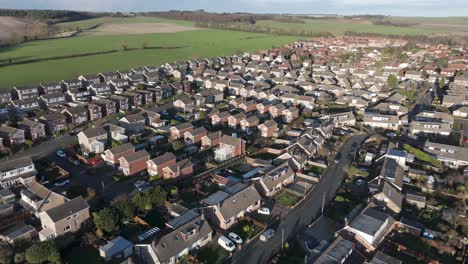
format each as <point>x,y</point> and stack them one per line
<point>191,44</point>
<point>337,27</point>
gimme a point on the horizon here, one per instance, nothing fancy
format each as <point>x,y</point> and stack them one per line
<point>398,8</point>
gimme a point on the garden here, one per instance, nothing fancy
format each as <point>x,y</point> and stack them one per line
<point>287,199</point>
<point>247,229</point>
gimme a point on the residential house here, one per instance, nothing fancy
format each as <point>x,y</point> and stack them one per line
<point>133,124</point>
<point>418,200</point>
<point>50,88</point>
<point>37,199</point>
<point>108,107</point>
<point>93,140</point>
<point>248,106</point>
<point>452,156</point>
<point>54,122</point>
<point>234,120</point>
<point>343,119</point>
<point>121,103</point>
<point>268,129</point>
<point>185,105</point>
<point>391,197</point>
<point>47,101</point>
<point>112,155</point>
<point>249,124</point>
<point>24,92</point>
<point>290,114</point>
<point>227,207</point>
<point>419,127</point>
<point>146,96</point>
<point>100,89</point>
<point>67,217</point>
<point>211,140</point>
<point>134,99</point>
<point>94,111</point>
<point>116,133</point>
<point>25,105</point>
<point>180,170</point>
<point>11,136</point>
<point>461,112</point>
<point>220,118</point>
<point>78,94</point>
<point>277,110</point>
<point>76,116</point>
<point>179,130</point>
<point>229,147</point>
<point>382,121</point>
<point>156,165</point>
<point>273,180</point>
<point>134,163</point>
<point>33,130</point>
<point>17,171</point>
<point>195,136</point>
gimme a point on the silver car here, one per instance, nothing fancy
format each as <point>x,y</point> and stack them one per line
<point>265,236</point>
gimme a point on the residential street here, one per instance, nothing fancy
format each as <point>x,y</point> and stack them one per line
<point>424,102</point>
<point>303,214</point>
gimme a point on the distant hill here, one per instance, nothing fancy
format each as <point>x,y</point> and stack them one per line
<point>50,16</point>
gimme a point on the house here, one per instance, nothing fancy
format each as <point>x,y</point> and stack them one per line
<point>24,92</point>
<point>416,199</point>
<point>382,258</point>
<point>277,110</point>
<point>121,103</point>
<point>26,105</point>
<point>93,140</point>
<point>343,119</point>
<point>37,199</point>
<point>419,127</point>
<point>179,130</point>
<point>116,133</point>
<point>248,106</point>
<point>108,107</point>
<point>370,227</point>
<point>188,236</point>
<point>67,217</point>
<point>290,114</point>
<point>211,140</point>
<point>452,156</point>
<point>134,99</point>
<point>338,252</point>
<point>393,172</point>
<point>195,136</point>
<point>461,112</point>
<point>391,109</point>
<point>17,171</point>
<point>146,96</point>
<point>78,94</point>
<point>382,121</point>
<point>249,123</point>
<point>76,116</point>
<point>185,105</point>
<point>352,101</point>
<point>226,207</point>
<point>94,112</point>
<point>33,130</point>
<point>156,165</point>
<point>49,100</point>
<point>234,120</point>
<point>54,122</point>
<point>180,170</point>
<point>273,180</point>
<point>229,147</point>
<point>11,136</point>
<point>391,197</point>
<point>117,248</point>
<point>269,129</point>
<point>133,124</point>
<point>134,163</point>
<point>112,156</point>
<point>220,118</point>
<point>50,88</point>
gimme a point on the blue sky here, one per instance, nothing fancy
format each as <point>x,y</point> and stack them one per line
<point>439,8</point>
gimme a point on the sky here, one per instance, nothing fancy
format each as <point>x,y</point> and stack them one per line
<point>439,8</point>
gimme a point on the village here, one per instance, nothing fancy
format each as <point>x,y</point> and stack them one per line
<point>329,150</point>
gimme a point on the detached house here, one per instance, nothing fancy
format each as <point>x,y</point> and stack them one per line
<point>156,165</point>
<point>228,206</point>
<point>121,103</point>
<point>76,116</point>
<point>273,180</point>
<point>54,122</point>
<point>229,147</point>
<point>108,107</point>
<point>249,123</point>
<point>67,217</point>
<point>112,156</point>
<point>134,99</point>
<point>133,124</point>
<point>234,120</point>
<point>94,112</point>
<point>211,140</point>
<point>179,130</point>
<point>195,136</point>
<point>185,105</point>
<point>269,129</point>
<point>11,136</point>
<point>277,110</point>
<point>220,118</point>
<point>134,163</point>
<point>33,130</point>
<point>93,140</point>
<point>181,169</point>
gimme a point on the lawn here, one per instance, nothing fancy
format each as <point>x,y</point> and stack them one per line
<point>287,199</point>
<point>212,253</point>
<point>421,155</point>
<point>172,47</point>
<point>343,204</point>
<point>83,255</point>
<point>246,229</point>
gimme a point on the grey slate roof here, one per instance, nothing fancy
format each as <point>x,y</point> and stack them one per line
<point>69,208</point>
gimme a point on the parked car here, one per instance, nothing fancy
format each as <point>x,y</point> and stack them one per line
<point>61,183</point>
<point>265,236</point>
<point>264,211</point>
<point>234,237</point>
<point>226,243</point>
<point>360,181</point>
<point>61,153</point>
<point>338,157</point>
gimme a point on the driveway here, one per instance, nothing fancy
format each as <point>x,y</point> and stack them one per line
<point>298,218</point>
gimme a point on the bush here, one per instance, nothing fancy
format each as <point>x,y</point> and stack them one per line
<point>107,219</point>
<point>43,251</point>
<point>246,228</point>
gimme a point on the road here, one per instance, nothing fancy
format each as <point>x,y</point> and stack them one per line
<point>424,102</point>
<point>298,218</point>
<point>464,123</point>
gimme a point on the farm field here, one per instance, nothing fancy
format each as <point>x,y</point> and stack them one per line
<point>339,27</point>
<point>161,48</point>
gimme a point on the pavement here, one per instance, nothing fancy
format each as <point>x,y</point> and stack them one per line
<point>298,218</point>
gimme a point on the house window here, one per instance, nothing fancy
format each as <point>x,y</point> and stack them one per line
<point>68,218</point>
<point>66,228</point>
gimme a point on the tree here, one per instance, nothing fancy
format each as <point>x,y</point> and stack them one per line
<point>107,219</point>
<point>158,196</point>
<point>392,81</point>
<point>126,209</point>
<point>142,200</point>
<point>43,251</point>
<point>442,83</point>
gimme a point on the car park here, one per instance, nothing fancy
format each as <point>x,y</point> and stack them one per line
<point>234,237</point>
<point>225,243</point>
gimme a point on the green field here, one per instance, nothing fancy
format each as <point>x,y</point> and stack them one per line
<point>190,44</point>
<point>340,27</point>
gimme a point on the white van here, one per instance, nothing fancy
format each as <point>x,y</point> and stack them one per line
<point>226,243</point>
